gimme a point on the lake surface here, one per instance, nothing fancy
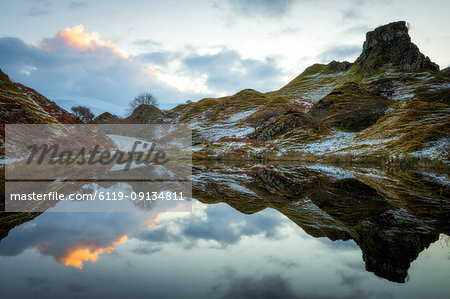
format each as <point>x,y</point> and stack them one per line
<point>255,231</point>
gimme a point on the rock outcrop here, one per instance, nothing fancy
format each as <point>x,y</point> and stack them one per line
<point>105,118</point>
<point>146,114</point>
<point>391,43</point>
<point>21,104</point>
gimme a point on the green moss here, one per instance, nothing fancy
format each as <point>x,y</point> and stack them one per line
<point>431,92</point>
<point>411,126</point>
<point>350,108</point>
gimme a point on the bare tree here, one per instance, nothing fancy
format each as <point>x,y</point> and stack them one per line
<point>83,113</point>
<point>143,98</point>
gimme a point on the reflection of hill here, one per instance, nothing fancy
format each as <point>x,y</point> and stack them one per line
<point>390,218</point>
<point>392,215</point>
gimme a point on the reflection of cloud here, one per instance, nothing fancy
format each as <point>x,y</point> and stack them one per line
<point>152,221</point>
<point>356,290</point>
<point>76,288</point>
<point>219,224</point>
<point>282,262</point>
<point>350,280</point>
<point>232,285</point>
<point>72,238</point>
<point>33,281</point>
<point>270,286</point>
<point>339,244</point>
<point>39,285</point>
<point>78,254</point>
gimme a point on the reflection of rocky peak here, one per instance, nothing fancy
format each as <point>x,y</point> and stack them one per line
<point>389,255</point>
<point>391,43</point>
<point>391,229</point>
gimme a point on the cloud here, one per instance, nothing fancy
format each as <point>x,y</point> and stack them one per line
<point>357,9</point>
<point>223,72</point>
<point>227,69</point>
<point>76,38</point>
<point>264,8</point>
<point>351,14</point>
<point>161,58</point>
<point>339,52</point>
<point>147,43</point>
<point>75,64</point>
<point>146,250</point>
<point>289,30</point>
<point>38,12</point>
<point>77,4</point>
<point>79,65</point>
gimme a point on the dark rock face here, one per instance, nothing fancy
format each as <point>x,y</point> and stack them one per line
<point>278,125</point>
<point>446,71</point>
<point>385,87</point>
<point>350,107</point>
<point>391,43</point>
<point>337,65</point>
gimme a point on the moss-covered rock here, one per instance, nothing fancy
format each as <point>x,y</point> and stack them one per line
<point>146,114</point>
<point>409,127</point>
<point>350,107</point>
<point>105,118</point>
<point>391,43</point>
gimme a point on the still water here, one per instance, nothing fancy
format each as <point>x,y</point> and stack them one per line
<point>255,231</point>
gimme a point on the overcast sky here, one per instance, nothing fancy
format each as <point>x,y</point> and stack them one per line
<point>185,50</point>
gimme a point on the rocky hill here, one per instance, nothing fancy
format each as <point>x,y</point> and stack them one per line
<point>22,105</point>
<point>391,103</point>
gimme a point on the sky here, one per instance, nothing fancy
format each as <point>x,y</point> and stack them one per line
<point>106,51</point>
